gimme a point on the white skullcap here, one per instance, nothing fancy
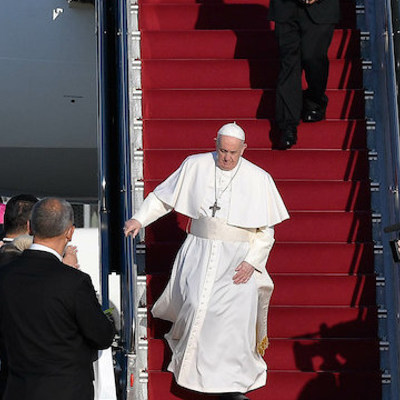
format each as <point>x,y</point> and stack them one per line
<point>232,129</point>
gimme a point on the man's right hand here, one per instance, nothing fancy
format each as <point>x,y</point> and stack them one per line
<point>132,227</point>
<point>70,258</point>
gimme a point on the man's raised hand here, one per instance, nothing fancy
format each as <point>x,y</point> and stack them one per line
<point>132,227</point>
<point>70,258</point>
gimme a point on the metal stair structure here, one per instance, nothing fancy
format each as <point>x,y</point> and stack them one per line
<point>193,66</point>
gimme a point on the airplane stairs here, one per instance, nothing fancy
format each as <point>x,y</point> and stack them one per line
<point>206,63</point>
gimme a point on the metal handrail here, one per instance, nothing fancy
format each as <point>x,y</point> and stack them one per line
<point>102,135</point>
<point>383,140</point>
<point>127,267</point>
<point>117,252</point>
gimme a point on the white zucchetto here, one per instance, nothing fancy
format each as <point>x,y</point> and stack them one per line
<point>232,129</point>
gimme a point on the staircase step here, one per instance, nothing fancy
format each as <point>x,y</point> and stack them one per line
<point>227,44</point>
<point>290,290</point>
<point>325,195</point>
<point>213,16</point>
<point>305,322</point>
<point>236,74</point>
<point>284,385</point>
<point>344,227</point>
<point>350,258</point>
<point>308,355</point>
<point>200,133</point>
<point>238,103</point>
<point>208,62</point>
<point>324,385</point>
<point>346,4</point>
<point>323,290</point>
<point>325,227</point>
<point>332,165</point>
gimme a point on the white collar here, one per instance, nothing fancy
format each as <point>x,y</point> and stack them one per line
<point>36,246</point>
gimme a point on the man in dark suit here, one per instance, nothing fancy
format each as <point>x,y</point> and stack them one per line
<point>304,30</point>
<point>17,213</point>
<point>51,324</point>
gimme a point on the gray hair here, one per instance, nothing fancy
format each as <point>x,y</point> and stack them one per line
<point>51,217</point>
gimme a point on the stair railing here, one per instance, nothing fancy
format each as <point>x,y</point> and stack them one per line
<point>115,183</point>
<point>137,373</point>
<point>382,120</point>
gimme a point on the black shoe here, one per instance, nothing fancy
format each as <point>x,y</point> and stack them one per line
<point>314,107</point>
<point>314,115</point>
<point>233,396</point>
<point>288,138</point>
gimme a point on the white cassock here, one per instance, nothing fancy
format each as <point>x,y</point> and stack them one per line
<point>219,330</point>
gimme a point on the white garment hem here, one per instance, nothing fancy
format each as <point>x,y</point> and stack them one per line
<point>261,381</point>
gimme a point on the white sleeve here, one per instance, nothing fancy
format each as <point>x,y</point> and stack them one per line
<point>151,209</point>
<point>260,247</point>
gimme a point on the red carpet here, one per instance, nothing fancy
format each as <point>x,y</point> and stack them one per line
<point>209,62</point>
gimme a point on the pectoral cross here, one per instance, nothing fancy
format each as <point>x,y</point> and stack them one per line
<point>214,208</point>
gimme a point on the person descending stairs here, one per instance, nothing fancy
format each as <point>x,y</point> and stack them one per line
<point>212,62</point>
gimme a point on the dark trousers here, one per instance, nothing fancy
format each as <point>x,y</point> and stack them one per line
<point>303,44</point>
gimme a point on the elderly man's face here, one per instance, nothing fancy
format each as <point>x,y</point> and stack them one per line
<point>229,150</point>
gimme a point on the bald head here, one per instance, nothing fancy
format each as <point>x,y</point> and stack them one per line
<point>51,217</point>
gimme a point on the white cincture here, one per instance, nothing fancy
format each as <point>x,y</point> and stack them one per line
<point>218,229</point>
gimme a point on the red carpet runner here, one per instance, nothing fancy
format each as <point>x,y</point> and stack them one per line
<point>212,62</point>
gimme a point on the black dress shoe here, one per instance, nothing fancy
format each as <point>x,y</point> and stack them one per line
<point>314,115</point>
<point>233,396</point>
<point>314,107</point>
<point>288,138</point>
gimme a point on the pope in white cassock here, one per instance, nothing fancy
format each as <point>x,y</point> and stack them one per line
<point>218,294</point>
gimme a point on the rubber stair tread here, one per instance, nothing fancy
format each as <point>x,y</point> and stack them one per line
<point>332,165</point>
<point>258,74</point>
<point>350,258</point>
<point>343,386</point>
<point>293,354</point>
<point>226,44</point>
<point>200,133</point>
<point>238,103</point>
<point>304,322</point>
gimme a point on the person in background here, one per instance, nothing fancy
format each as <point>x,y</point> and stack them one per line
<point>17,213</point>
<point>304,30</point>
<point>16,216</point>
<point>51,324</point>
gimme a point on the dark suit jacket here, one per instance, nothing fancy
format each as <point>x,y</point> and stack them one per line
<point>51,325</point>
<point>321,12</point>
<point>8,252</point>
